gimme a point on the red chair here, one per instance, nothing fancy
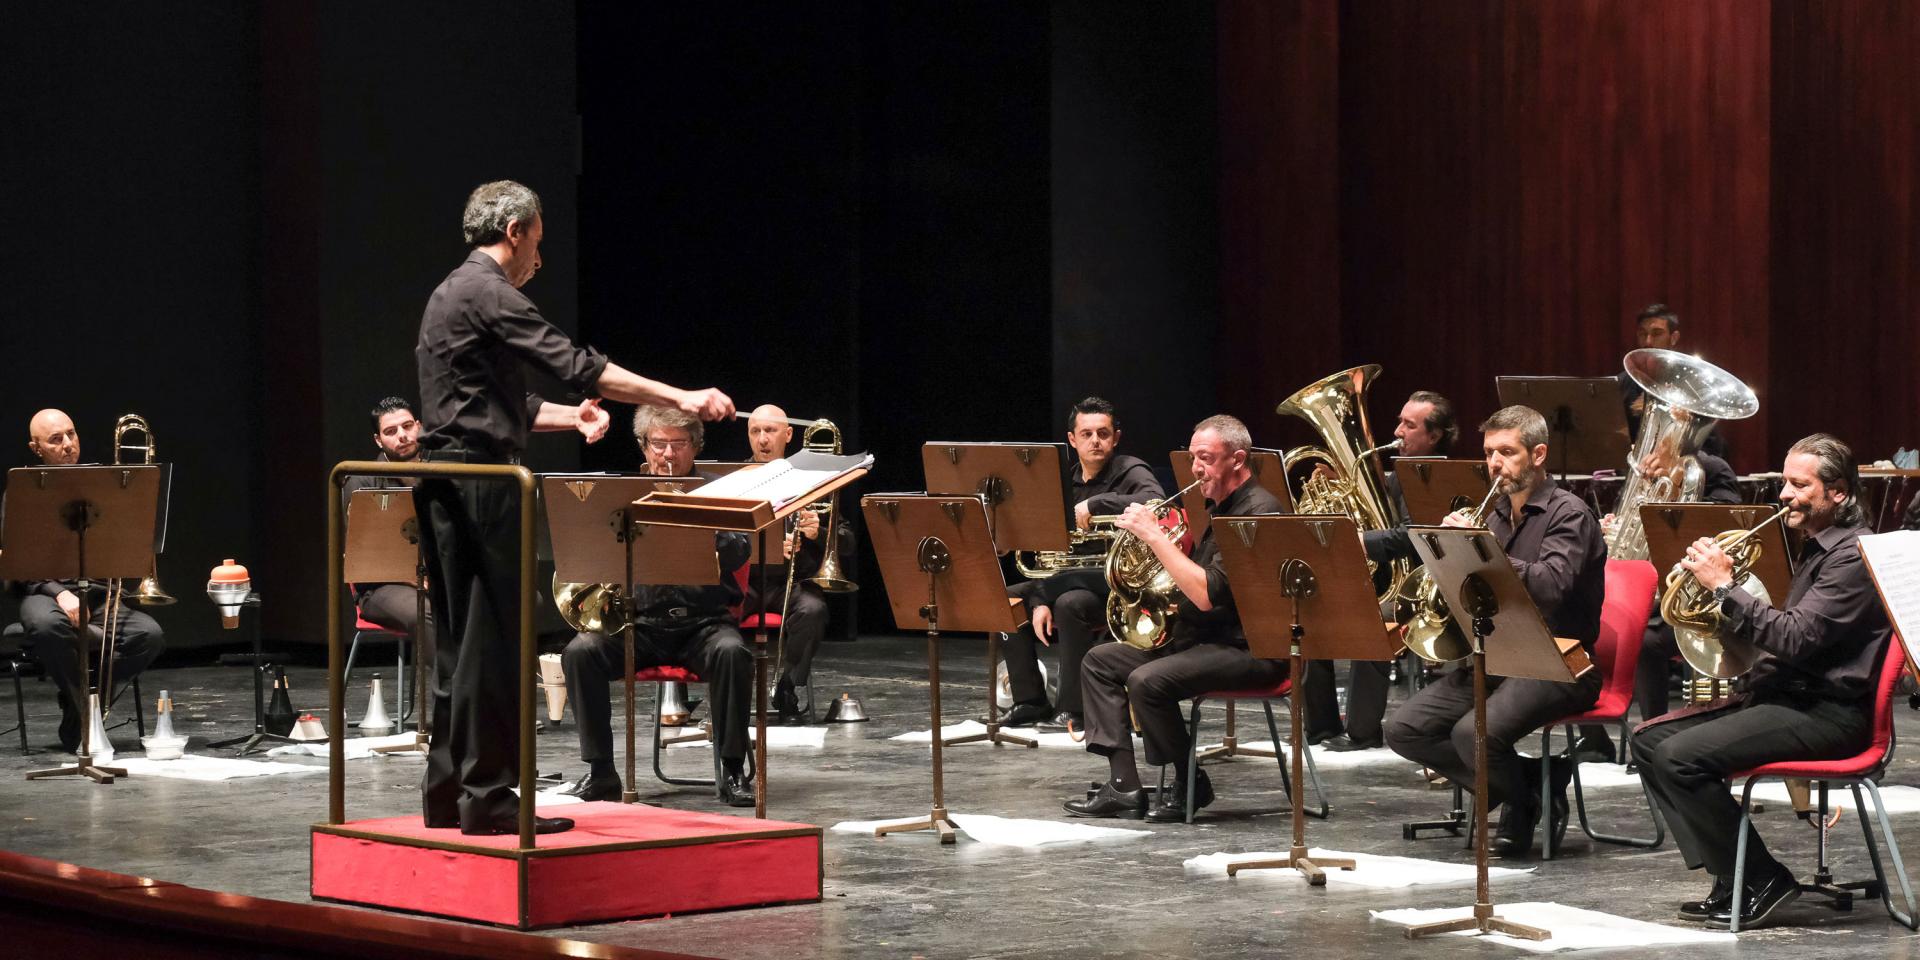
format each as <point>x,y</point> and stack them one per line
<point>659,676</point>
<point>367,629</point>
<point>1862,769</point>
<point>1623,623</point>
<point>1266,695</point>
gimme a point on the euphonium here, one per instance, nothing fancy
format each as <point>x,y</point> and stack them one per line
<point>1336,407</point>
<point>1697,624</point>
<point>1686,397</point>
<point>149,592</point>
<point>1431,633</point>
<point>1141,593</point>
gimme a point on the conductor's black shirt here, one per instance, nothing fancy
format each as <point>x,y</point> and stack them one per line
<point>476,337</point>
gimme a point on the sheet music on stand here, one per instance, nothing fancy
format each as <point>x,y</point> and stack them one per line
<point>1893,560</point>
<point>783,481</point>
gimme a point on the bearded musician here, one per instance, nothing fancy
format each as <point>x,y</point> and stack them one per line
<point>1807,697</point>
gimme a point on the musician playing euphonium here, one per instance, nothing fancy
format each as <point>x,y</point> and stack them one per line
<point>50,609</point>
<point>690,625</point>
<point>1554,543</point>
<point>1426,428</point>
<point>1071,605</point>
<point>1207,651</point>
<point>805,617</point>
<point>1806,698</point>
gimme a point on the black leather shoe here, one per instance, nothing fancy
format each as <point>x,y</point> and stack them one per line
<point>1172,806</point>
<point>1110,802</point>
<point>505,825</point>
<point>1760,901</point>
<point>1719,900</point>
<point>1316,739</point>
<point>1027,714</point>
<point>1063,720</point>
<point>1596,749</point>
<point>1557,812</point>
<point>1518,817</point>
<point>1347,744</point>
<point>736,790</point>
<point>590,788</point>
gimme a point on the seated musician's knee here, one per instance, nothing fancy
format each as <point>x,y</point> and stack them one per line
<point>1105,663</point>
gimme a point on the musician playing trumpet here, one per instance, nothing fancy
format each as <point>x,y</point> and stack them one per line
<point>1554,543</point>
<point>1807,696</point>
<point>1207,650</point>
<point>1069,609</point>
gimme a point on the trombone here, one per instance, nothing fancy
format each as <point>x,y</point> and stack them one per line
<point>149,592</point>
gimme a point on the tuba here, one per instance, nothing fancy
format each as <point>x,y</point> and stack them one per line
<point>1141,593</point>
<point>149,592</point>
<point>1698,627</point>
<point>1686,397</point>
<point>1337,408</point>
<point>1431,633</point>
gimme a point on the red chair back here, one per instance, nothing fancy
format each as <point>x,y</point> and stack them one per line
<point>1892,667</point>
<point>1623,624</point>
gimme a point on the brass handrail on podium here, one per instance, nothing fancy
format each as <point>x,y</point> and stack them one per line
<point>336,680</point>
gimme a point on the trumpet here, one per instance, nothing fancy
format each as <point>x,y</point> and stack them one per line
<point>1698,626</point>
<point>1046,563</point>
<point>1431,633</point>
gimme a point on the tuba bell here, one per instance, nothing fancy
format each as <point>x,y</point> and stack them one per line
<point>148,593</point>
<point>1336,406</point>
<point>1698,627</point>
<point>1141,593</point>
<point>1686,397</point>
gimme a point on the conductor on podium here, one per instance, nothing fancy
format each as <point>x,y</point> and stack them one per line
<point>478,336</point>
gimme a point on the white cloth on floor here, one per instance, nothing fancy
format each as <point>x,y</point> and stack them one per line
<point>197,767</point>
<point>1334,759</point>
<point>358,748</point>
<point>1369,870</point>
<point>778,738</point>
<point>1008,832</point>
<point>1572,927</point>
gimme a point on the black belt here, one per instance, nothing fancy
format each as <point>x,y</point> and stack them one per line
<point>669,614</point>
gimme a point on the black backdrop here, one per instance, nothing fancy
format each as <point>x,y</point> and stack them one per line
<point>924,220</point>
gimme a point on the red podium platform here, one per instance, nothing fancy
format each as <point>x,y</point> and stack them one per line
<point>619,862</point>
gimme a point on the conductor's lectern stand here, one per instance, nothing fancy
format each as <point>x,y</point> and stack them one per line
<point>941,573</point>
<point>1486,598</point>
<point>87,524</point>
<point>1304,592</point>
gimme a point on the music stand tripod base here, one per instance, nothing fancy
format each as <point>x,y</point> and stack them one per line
<point>995,734</point>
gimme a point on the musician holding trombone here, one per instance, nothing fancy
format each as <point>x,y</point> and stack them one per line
<point>50,610</point>
<point>1805,698</point>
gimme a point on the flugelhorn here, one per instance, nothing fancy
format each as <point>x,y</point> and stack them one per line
<point>1141,593</point>
<point>1431,632</point>
<point>1698,627</point>
<point>149,592</point>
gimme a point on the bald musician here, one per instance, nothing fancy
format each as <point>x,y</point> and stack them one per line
<point>50,609</point>
<point>768,434</point>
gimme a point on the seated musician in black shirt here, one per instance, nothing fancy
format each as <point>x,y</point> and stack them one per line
<point>1207,650</point>
<point>392,605</point>
<point>688,625</point>
<point>805,609</point>
<point>1554,543</point>
<point>1807,696</point>
<point>50,609</point>
<point>1071,605</point>
<point>1426,428</point>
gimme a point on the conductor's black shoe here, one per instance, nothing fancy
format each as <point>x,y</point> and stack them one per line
<point>1110,802</point>
<point>502,826</point>
<point>736,790</point>
<point>1064,720</point>
<point>1760,901</point>
<point>1717,901</point>
<point>1345,743</point>
<point>590,788</point>
<point>1172,806</point>
<point>1598,749</point>
<point>1518,817</point>
<point>1027,714</point>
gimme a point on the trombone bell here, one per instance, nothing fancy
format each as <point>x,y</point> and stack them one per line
<point>149,593</point>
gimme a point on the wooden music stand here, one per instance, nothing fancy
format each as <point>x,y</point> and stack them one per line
<point>585,517</point>
<point>1434,487</point>
<point>1486,598</point>
<point>1024,486</point>
<point>94,523</point>
<point>1672,527</point>
<point>1586,422</point>
<point>665,508</point>
<point>383,546</point>
<point>937,547</point>
<point>1303,591</point>
<point>1265,464</point>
